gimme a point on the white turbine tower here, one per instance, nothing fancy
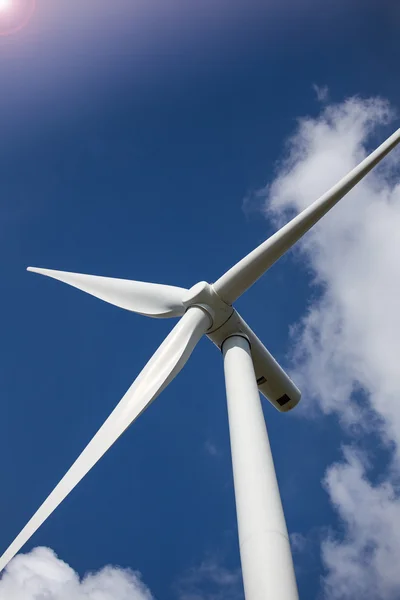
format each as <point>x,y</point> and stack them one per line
<point>267,565</point>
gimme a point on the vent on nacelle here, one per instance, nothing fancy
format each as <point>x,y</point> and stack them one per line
<point>283,400</point>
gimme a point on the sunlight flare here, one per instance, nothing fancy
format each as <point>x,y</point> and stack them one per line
<point>5,5</point>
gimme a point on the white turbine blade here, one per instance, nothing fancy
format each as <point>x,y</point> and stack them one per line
<point>149,299</point>
<point>159,371</point>
<point>242,275</point>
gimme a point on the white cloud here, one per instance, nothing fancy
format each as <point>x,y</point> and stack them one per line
<point>41,575</point>
<point>347,345</point>
<point>365,564</point>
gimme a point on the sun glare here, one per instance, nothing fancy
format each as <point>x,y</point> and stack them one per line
<point>5,5</point>
<point>15,15</point>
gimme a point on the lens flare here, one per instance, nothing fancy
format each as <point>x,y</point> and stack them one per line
<point>15,14</point>
<point>5,5</point>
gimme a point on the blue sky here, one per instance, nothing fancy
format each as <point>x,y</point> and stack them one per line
<point>135,137</point>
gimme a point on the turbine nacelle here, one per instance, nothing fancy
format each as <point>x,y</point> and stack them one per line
<point>272,380</point>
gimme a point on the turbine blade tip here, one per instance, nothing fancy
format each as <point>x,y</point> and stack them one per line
<point>36,270</point>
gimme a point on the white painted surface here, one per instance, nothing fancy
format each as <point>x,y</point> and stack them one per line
<point>265,553</point>
<point>149,299</point>
<point>272,380</point>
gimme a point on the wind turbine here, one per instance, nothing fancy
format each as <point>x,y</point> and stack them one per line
<point>267,564</point>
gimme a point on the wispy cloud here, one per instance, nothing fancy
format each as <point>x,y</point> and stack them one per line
<point>347,345</point>
<point>321,92</point>
<point>211,448</point>
<point>210,581</point>
<point>41,575</point>
<point>298,542</point>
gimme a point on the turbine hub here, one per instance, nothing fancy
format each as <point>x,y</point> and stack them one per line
<point>202,294</point>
